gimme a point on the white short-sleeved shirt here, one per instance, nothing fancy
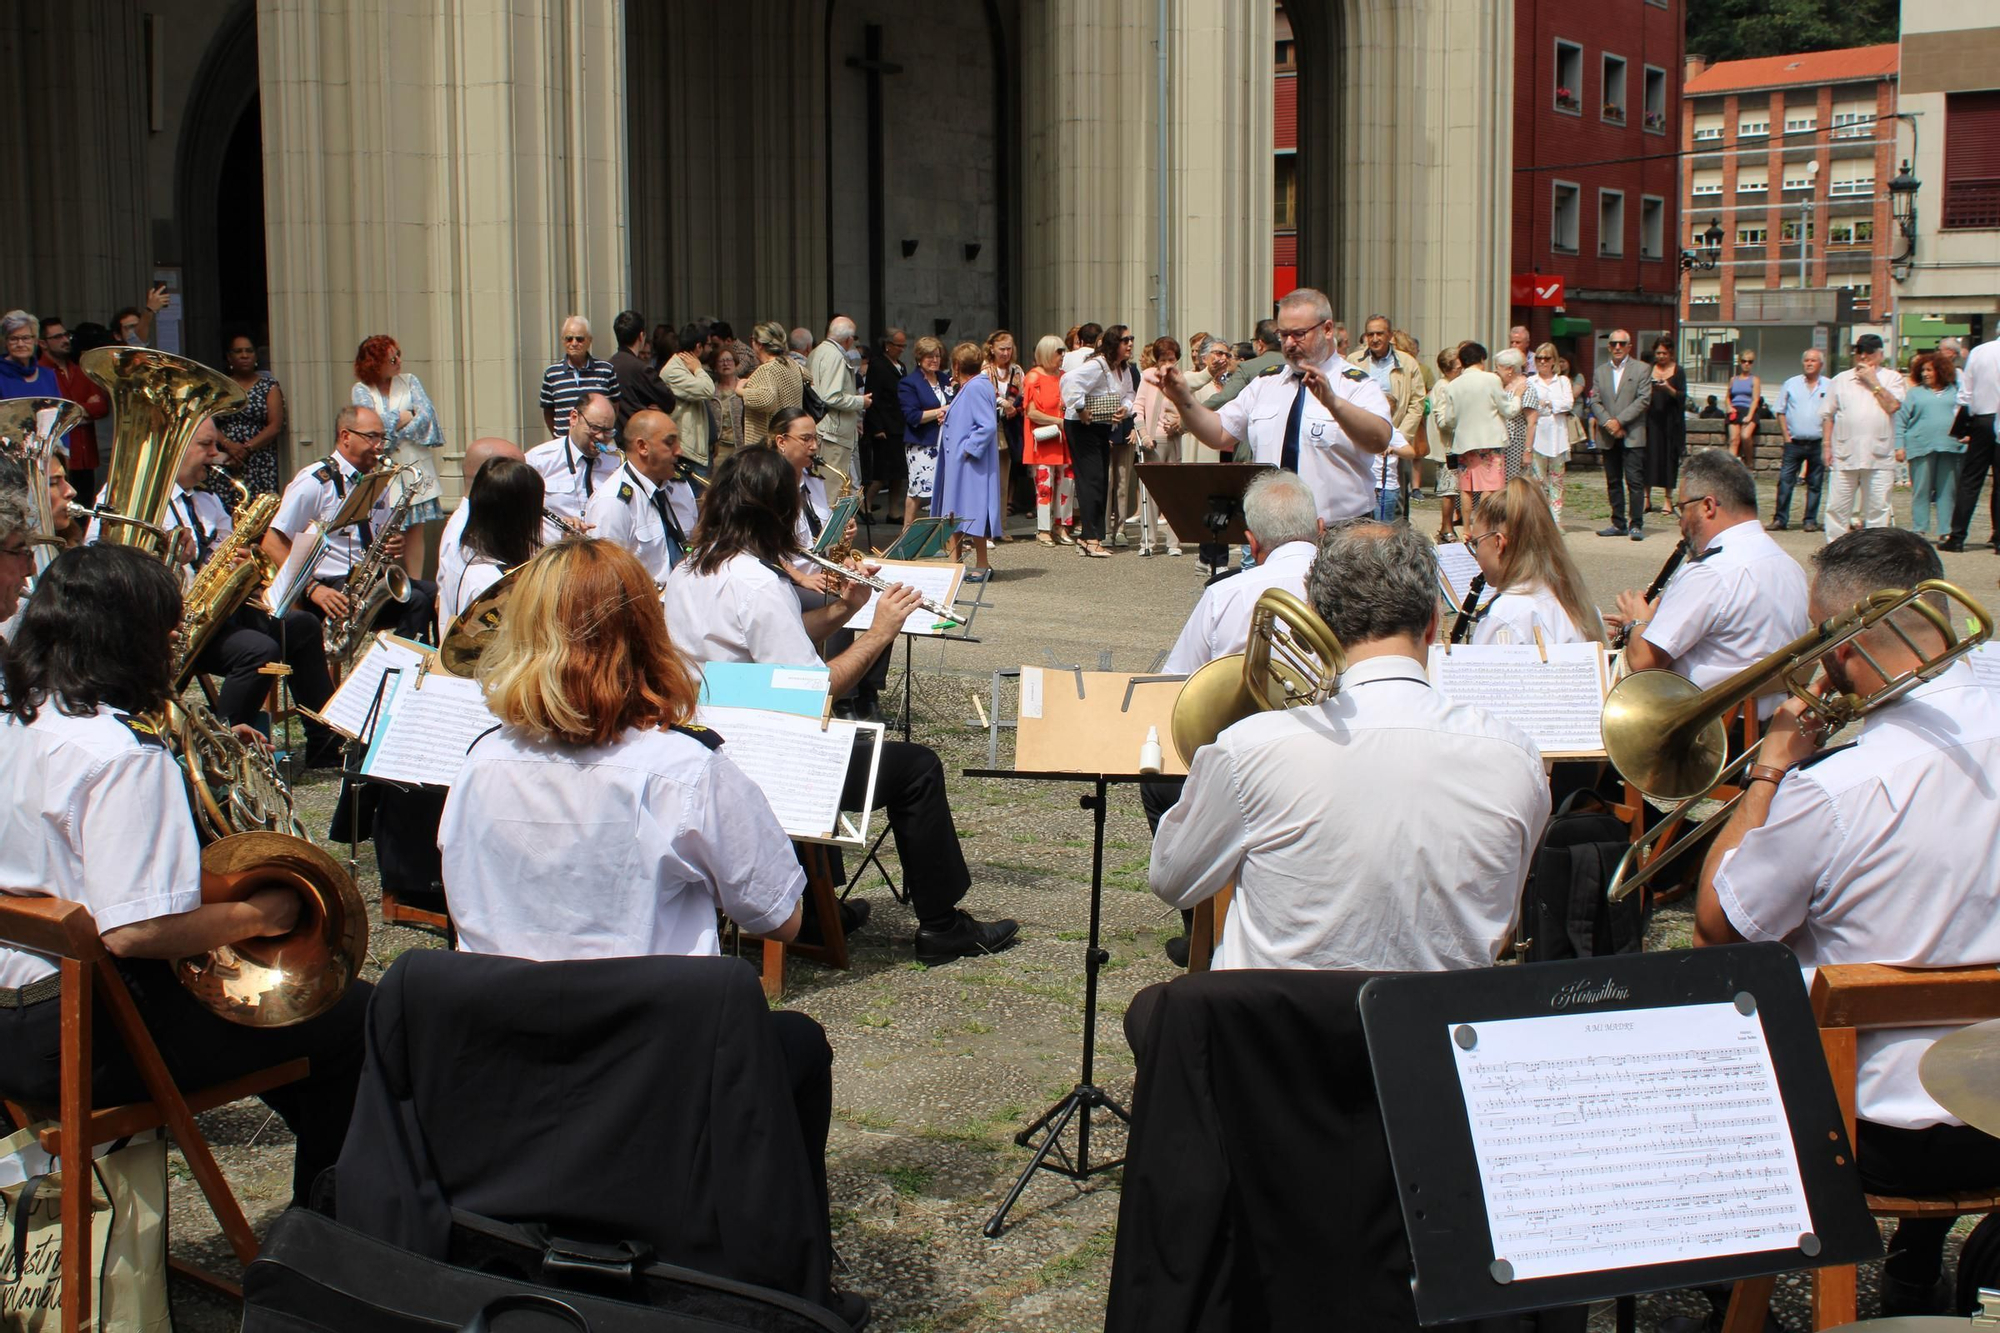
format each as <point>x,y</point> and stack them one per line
<point>1884,852</point>
<point>1220,623</point>
<point>472,577</point>
<point>313,496</point>
<point>1310,812</point>
<point>622,512</point>
<point>568,478</point>
<point>1341,475</point>
<point>747,611</point>
<point>204,515</point>
<point>625,850</point>
<point>1737,602</point>
<point>1513,617</point>
<point>451,552</point>
<point>94,811</point>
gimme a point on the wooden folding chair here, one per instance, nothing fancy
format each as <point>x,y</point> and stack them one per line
<point>1205,931</point>
<point>1848,999</point>
<point>824,890</point>
<point>64,931</point>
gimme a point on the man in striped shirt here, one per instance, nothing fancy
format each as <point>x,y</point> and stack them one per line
<point>565,383</point>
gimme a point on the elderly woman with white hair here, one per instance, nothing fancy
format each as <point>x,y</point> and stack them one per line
<point>1512,367</point>
<point>22,374</point>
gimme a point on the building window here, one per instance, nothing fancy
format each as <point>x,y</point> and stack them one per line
<point>1656,99</point>
<point>1754,127</point>
<point>1862,291</point>
<point>1850,231</point>
<point>1804,123</point>
<point>1853,124</point>
<point>1652,227</point>
<point>1614,89</point>
<point>1611,223</point>
<point>1705,292</point>
<point>1706,184</point>
<point>1285,207</point>
<point>1287,53</point>
<point>1569,77</point>
<point>1971,162</point>
<point>1801,181</point>
<point>1752,235</point>
<point>1862,185</point>
<point>1565,226</point>
<point>1708,134</point>
<point>1753,181</point>
<point>1789,231</point>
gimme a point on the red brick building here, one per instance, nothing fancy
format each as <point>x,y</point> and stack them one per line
<point>1597,125</point>
<point>1285,167</point>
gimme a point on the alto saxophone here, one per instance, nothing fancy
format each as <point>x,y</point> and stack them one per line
<point>371,583</point>
<point>225,582</point>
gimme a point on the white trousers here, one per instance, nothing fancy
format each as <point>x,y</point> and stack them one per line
<point>1850,487</point>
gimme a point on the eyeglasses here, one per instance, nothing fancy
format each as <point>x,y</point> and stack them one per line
<point>575,338</point>
<point>375,435</point>
<point>1126,339</point>
<point>1549,359</point>
<point>1294,335</point>
<point>15,552</point>
<point>595,429</point>
<point>1621,342</point>
<point>1686,500</point>
<point>1472,543</point>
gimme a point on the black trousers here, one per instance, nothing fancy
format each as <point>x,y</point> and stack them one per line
<point>910,783</point>
<point>253,638</point>
<point>1090,457</point>
<point>1923,1161</point>
<point>1972,470</point>
<point>411,619</point>
<point>1625,480</point>
<point>809,1069</point>
<point>200,1050</point>
<point>1156,798</point>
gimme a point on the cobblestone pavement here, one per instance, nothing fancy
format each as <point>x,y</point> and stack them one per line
<point>936,1068</point>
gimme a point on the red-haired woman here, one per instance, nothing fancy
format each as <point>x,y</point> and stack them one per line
<point>411,422</point>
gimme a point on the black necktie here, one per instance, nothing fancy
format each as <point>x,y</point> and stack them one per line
<point>200,533</point>
<point>1289,460</point>
<point>813,524</point>
<point>676,541</point>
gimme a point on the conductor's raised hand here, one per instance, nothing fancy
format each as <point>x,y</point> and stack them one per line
<point>1171,383</point>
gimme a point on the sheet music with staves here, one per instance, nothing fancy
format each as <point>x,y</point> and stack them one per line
<point>1556,694</point>
<point>1985,663</point>
<point>1623,1139</point>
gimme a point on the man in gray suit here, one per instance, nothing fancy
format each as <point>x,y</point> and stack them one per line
<point>1619,394</point>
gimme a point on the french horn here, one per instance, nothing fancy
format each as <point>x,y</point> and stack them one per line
<point>1296,664</point>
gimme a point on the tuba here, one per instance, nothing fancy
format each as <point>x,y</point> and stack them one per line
<point>1666,737</point>
<point>224,582</point>
<point>289,978</point>
<point>29,429</point>
<point>1294,665</point>
<point>157,401</point>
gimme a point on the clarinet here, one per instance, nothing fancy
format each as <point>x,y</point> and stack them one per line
<point>1674,558</point>
<point>1461,628</point>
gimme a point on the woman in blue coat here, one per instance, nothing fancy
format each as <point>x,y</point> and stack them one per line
<point>969,457</point>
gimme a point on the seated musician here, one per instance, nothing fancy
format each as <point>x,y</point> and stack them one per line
<point>1538,588</point>
<point>574,464</point>
<point>1879,851</point>
<point>1387,828</point>
<point>503,528</point>
<point>17,553</point>
<point>477,455</point>
<point>1737,599</point>
<point>316,493</point>
<point>250,639</point>
<point>93,809</point>
<point>728,602</point>
<point>642,508</point>
<point>1284,528</point>
<point>594,822</point>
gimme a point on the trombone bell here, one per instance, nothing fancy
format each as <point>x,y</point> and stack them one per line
<point>1645,721</point>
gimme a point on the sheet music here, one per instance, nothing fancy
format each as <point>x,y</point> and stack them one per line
<point>799,768</point>
<point>1459,566</point>
<point>347,711</point>
<point>1557,702</point>
<point>424,732</point>
<point>1642,1136</point>
<point>289,583</point>
<point>937,580</point>
<point>1985,663</point>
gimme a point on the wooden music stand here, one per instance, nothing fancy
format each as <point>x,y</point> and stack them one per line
<point>64,931</point>
<point>1202,501</point>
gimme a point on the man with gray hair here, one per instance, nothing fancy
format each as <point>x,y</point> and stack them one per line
<point>1284,527</point>
<point>832,368</point>
<point>1319,417</point>
<point>575,374</point>
<point>17,552</point>
<point>1388,828</point>
<point>800,343</point>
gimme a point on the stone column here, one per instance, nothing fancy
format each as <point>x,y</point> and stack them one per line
<point>75,73</point>
<point>451,173</point>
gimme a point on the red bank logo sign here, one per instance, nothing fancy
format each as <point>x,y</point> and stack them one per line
<point>1537,289</point>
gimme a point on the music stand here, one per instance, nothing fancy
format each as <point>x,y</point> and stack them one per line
<point>918,537</point>
<point>367,489</point>
<point>1082,726</point>
<point>1623,1039</point>
<point>1202,497</point>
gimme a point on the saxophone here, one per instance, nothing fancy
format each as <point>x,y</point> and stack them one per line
<point>224,583</point>
<point>373,582</point>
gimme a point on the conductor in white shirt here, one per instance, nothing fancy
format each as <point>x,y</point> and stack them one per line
<point>1388,828</point>
<point>1879,851</point>
<point>1322,418</point>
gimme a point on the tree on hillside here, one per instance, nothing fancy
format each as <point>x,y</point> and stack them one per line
<point>1741,29</point>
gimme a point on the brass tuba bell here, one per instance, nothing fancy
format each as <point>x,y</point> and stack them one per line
<point>466,639</point>
<point>1280,667</point>
<point>289,978</point>
<point>157,401</point>
<point>29,430</point>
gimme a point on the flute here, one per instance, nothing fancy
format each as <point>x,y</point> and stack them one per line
<point>936,608</point>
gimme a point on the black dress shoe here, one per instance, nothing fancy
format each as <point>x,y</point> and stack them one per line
<point>1637,534</point>
<point>1615,530</point>
<point>1177,950</point>
<point>1951,544</point>
<point>1775,526</point>
<point>966,938</point>
<point>854,914</point>
<point>849,1307</point>
<point>1810,525</point>
<point>1911,1298</point>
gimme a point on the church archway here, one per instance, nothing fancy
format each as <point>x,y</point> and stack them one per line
<point>219,195</point>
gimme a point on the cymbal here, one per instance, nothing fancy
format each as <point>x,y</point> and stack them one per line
<point>1962,1072</point>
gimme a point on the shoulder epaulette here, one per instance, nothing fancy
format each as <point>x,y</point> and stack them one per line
<point>706,735</point>
<point>624,490</point>
<point>1271,370</point>
<point>323,475</point>
<point>143,728</point>
<point>1355,373</point>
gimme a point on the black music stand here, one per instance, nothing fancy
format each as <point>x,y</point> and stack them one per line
<point>1202,497</point>
<point>1412,1022</point>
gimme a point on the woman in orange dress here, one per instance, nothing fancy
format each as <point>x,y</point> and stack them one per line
<point>1055,484</point>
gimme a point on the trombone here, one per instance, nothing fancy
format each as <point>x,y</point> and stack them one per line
<point>1666,737</point>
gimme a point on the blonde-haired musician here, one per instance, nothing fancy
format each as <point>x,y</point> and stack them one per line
<point>1537,589</point>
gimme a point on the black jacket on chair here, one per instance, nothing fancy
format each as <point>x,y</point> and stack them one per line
<point>639,1099</point>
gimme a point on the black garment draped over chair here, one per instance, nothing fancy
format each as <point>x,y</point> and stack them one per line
<point>640,1099</point>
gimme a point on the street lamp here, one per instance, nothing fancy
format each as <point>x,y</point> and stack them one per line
<point>1903,189</point>
<point>1711,250</point>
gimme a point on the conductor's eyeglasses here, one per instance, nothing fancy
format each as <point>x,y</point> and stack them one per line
<point>1298,335</point>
